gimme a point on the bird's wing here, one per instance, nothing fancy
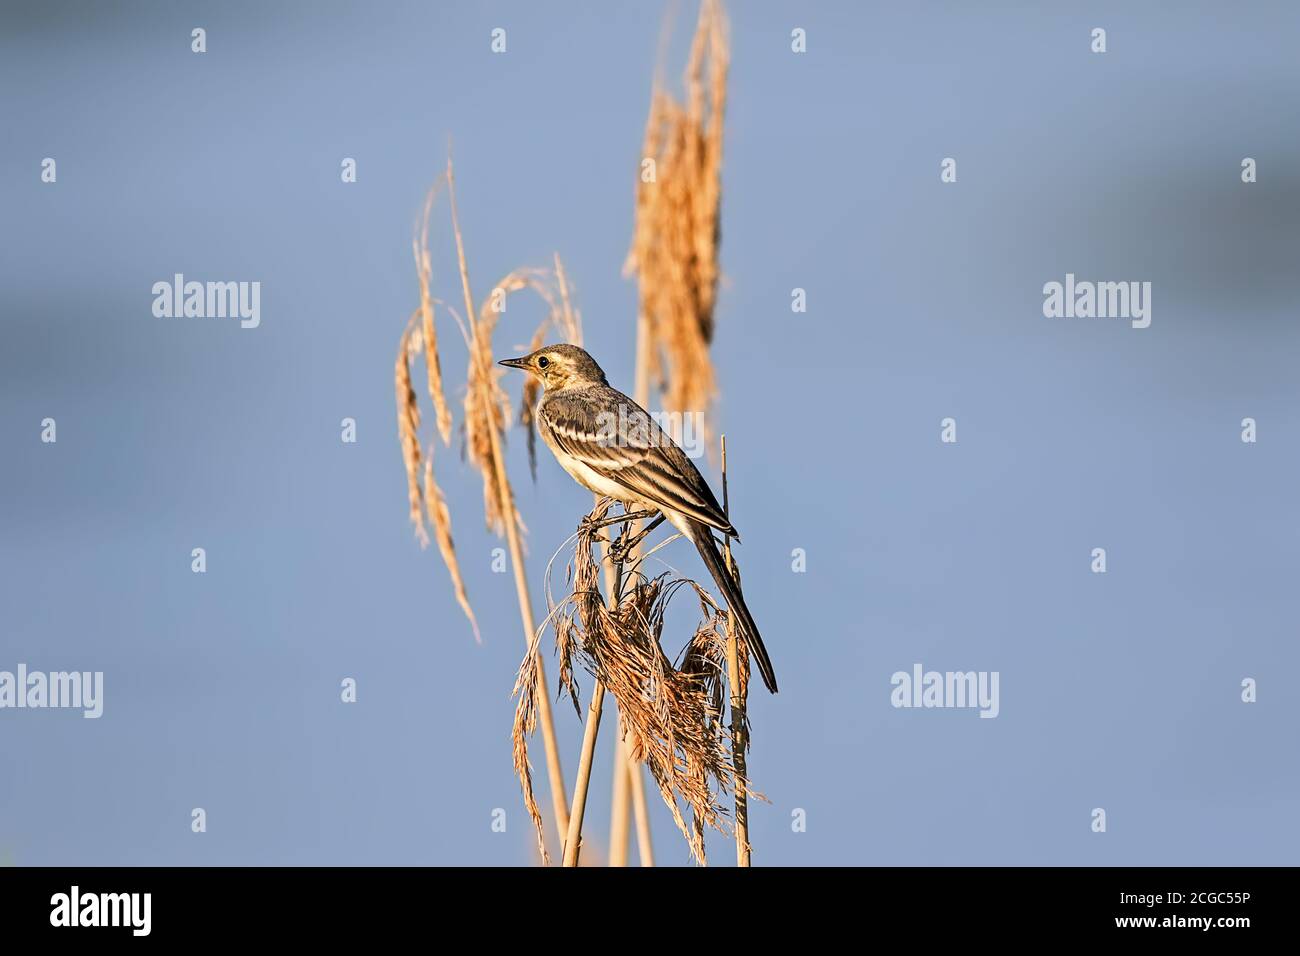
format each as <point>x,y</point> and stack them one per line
<point>630,449</point>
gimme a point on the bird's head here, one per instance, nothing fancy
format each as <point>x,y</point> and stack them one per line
<point>560,366</point>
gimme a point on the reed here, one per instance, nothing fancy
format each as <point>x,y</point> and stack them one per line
<point>674,251</point>
<point>672,715</point>
<point>486,416</point>
<point>425,499</point>
<point>738,684</point>
<point>485,413</point>
<point>674,255</point>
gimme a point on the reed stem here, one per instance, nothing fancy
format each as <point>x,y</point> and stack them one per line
<point>553,772</point>
<point>738,694</point>
<point>620,813</point>
<point>573,844</point>
<point>645,849</point>
<point>640,811</point>
<point>620,800</point>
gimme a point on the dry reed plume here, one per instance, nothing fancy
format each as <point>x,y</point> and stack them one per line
<point>432,364</point>
<point>486,416</point>
<point>672,716</point>
<point>425,498</point>
<point>674,252</point>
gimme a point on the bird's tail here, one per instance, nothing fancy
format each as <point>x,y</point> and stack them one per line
<point>708,548</point>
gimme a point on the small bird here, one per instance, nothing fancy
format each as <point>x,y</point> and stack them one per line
<point>610,445</point>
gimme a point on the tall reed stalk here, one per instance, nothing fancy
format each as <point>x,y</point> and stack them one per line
<point>573,839</point>
<point>739,690</point>
<point>620,804</point>
<point>482,352</point>
<point>674,254</point>
<point>641,813</point>
<point>573,842</point>
<point>626,772</point>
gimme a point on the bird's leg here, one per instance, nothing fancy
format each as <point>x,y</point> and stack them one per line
<point>591,525</point>
<point>620,549</point>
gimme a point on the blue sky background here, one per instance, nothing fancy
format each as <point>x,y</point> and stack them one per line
<point>1119,691</point>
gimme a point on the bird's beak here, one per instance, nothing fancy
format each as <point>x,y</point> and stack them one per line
<point>515,363</point>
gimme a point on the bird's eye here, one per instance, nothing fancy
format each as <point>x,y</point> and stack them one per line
<point>543,362</point>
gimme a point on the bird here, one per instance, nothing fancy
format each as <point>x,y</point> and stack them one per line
<point>610,445</point>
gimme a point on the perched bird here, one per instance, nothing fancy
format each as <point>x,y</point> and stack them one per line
<point>610,445</point>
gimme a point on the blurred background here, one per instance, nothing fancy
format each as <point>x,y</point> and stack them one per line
<point>1119,691</point>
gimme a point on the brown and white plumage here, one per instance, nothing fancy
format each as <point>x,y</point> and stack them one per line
<point>610,445</point>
